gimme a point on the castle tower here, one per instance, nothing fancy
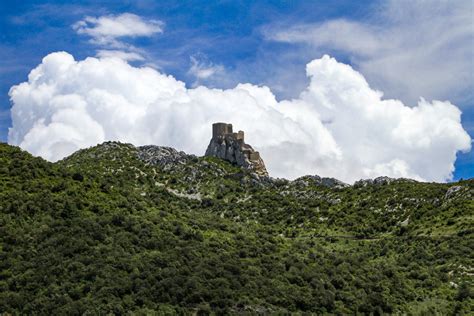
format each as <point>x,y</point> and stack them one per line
<point>221,129</point>
<point>226,144</point>
<point>240,136</point>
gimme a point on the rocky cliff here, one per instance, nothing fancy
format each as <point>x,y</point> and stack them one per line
<point>230,146</point>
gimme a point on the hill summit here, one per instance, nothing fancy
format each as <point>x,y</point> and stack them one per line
<point>230,146</point>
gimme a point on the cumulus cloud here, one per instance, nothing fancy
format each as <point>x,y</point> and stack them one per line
<point>407,48</point>
<point>337,127</point>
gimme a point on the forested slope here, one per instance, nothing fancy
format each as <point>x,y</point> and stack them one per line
<point>148,230</point>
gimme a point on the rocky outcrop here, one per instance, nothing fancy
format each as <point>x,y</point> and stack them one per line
<point>165,157</point>
<point>317,180</point>
<point>230,146</point>
<point>380,181</point>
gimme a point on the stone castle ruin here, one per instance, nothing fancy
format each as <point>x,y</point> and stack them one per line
<point>230,146</point>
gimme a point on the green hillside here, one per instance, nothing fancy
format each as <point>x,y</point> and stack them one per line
<point>118,229</point>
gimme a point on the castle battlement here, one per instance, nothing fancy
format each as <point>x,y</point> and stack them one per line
<point>221,130</point>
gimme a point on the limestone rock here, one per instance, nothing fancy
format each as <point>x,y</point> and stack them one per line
<point>452,191</point>
<point>380,181</point>
<point>317,180</point>
<point>230,146</point>
<point>165,157</point>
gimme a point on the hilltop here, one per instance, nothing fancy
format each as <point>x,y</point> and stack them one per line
<point>117,228</point>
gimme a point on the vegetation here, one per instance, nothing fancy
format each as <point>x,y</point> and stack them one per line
<point>102,232</point>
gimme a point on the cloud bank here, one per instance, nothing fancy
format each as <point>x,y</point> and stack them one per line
<point>337,127</point>
<point>403,47</point>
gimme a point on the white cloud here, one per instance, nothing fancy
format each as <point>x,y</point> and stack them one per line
<point>105,30</point>
<point>109,32</point>
<point>337,127</point>
<point>407,48</point>
<point>339,34</point>
<point>127,56</point>
<point>204,71</point>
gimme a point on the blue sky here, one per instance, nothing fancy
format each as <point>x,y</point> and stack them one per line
<point>265,43</point>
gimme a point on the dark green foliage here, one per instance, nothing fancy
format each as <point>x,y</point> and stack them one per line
<point>101,232</point>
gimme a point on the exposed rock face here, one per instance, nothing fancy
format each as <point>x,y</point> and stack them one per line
<point>317,180</point>
<point>380,181</point>
<point>166,157</point>
<point>453,191</point>
<point>231,146</point>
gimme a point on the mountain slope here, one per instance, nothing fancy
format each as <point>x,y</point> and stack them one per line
<point>117,228</point>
